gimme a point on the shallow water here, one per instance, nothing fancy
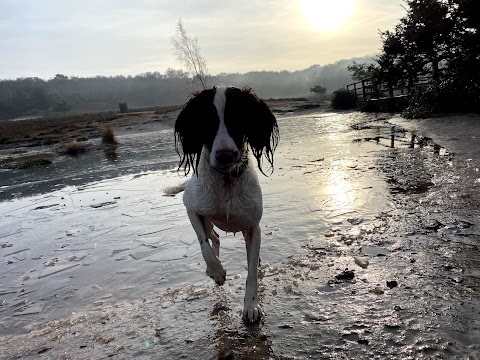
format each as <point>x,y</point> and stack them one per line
<point>329,201</point>
<point>120,238</point>
<point>138,152</point>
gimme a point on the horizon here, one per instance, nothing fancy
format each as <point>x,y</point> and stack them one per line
<point>190,75</point>
<point>111,38</point>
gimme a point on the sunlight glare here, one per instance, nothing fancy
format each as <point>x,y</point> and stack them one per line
<point>326,15</point>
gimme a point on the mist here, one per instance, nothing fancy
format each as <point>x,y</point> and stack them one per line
<point>65,94</point>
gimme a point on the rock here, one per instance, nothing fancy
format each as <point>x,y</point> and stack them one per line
<point>391,284</point>
<point>376,290</point>
<point>355,221</point>
<point>363,263</point>
<point>435,225</point>
<point>345,275</point>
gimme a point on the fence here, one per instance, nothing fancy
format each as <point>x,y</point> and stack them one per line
<point>379,97</point>
<point>366,90</point>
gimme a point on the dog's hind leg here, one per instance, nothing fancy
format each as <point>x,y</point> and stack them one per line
<point>251,310</point>
<point>214,267</point>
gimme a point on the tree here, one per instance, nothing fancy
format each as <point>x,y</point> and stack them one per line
<point>435,52</point>
<point>60,77</point>
<point>187,51</point>
<point>361,71</point>
<point>319,89</point>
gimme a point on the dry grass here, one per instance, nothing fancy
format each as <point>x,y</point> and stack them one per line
<point>68,128</point>
<point>74,148</point>
<point>108,136</point>
<point>59,129</point>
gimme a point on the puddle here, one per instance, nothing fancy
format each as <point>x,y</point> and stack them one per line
<point>393,137</point>
<point>374,251</point>
<point>89,232</point>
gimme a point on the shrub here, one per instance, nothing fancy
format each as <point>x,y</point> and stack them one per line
<point>123,107</point>
<point>108,137</point>
<point>445,97</point>
<point>343,99</point>
<point>74,148</point>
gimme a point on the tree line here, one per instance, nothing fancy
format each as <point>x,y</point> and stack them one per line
<point>34,96</point>
<point>433,53</point>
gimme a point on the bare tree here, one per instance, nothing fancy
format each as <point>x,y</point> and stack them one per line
<point>187,51</point>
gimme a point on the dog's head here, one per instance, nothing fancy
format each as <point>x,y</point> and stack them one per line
<point>226,120</point>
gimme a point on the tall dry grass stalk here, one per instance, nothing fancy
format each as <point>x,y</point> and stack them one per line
<point>108,137</point>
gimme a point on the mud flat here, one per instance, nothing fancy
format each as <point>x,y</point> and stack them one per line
<point>370,250</point>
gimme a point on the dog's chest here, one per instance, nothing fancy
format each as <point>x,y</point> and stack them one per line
<point>232,206</point>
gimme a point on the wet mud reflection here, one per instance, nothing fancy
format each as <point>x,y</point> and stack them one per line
<point>232,341</point>
<point>394,137</point>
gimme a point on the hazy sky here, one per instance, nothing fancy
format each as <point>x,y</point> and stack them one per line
<point>109,37</point>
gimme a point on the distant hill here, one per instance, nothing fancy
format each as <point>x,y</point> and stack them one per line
<point>34,96</point>
<point>278,84</point>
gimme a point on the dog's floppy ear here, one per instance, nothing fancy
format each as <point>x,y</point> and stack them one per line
<point>261,130</point>
<point>195,126</point>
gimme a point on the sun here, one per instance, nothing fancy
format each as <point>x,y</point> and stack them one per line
<point>326,15</point>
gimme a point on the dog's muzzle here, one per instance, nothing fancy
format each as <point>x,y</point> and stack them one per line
<point>226,157</point>
<point>230,163</point>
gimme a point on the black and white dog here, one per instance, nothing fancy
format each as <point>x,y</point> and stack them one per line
<point>213,134</point>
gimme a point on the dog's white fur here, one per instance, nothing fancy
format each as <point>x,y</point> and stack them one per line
<point>232,205</point>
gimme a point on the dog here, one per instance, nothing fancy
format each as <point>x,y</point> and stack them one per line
<point>213,136</point>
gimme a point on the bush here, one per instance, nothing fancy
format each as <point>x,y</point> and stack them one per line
<point>123,107</point>
<point>108,137</point>
<point>418,110</point>
<point>343,99</point>
<point>446,97</point>
<point>74,148</point>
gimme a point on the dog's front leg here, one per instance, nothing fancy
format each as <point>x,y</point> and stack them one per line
<point>214,267</point>
<point>251,310</point>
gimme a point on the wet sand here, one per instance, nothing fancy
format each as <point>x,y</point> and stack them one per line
<point>370,250</point>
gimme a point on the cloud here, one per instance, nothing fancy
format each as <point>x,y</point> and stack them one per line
<point>42,38</point>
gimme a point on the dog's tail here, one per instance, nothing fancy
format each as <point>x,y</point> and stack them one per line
<point>174,190</point>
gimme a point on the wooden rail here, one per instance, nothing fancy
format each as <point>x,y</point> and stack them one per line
<point>366,90</point>
<point>378,97</point>
<point>365,86</point>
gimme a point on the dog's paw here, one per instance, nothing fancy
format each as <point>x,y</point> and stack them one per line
<point>216,271</point>
<point>252,312</point>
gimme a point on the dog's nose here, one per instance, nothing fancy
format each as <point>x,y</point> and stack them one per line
<point>226,156</point>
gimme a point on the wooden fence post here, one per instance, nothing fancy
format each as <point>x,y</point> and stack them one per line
<point>363,90</point>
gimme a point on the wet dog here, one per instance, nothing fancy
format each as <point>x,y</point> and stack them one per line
<point>213,135</point>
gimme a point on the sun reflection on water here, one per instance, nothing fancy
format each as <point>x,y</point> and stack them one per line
<point>341,191</point>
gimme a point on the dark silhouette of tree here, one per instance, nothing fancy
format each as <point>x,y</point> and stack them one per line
<point>361,71</point>
<point>60,77</point>
<point>434,51</point>
<point>319,90</point>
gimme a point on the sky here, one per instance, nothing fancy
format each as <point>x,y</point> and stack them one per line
<point>42,38</point>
